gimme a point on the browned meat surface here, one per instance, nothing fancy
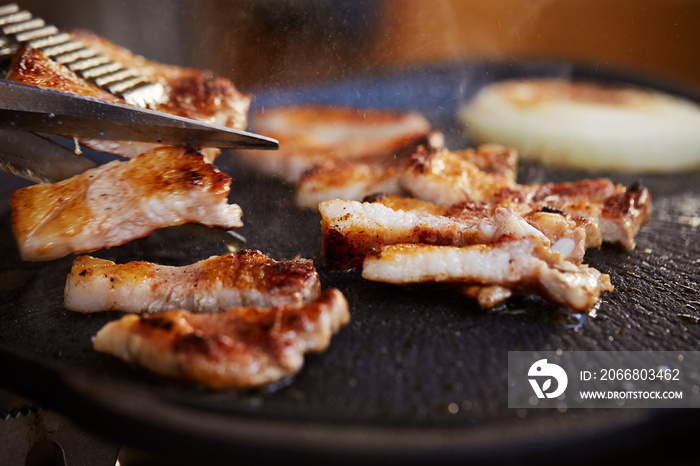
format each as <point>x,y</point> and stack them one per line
<point>121,201</point>
<point>446,177</point>
<point>248,278</point>
<point>241,347</point>
<point>313,135</point>
<point>618,212</point>
<point>351,229</point>
<point>357,179</point>
<point>494,271</point>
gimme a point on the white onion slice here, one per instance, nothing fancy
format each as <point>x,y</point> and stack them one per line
<point>585,125</point>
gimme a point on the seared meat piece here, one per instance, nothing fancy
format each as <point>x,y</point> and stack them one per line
<point>189,93</point>
<point>567,236</point>
<point>314,135</point>
<point>241,347</point>
<point>570,237</point>
<point>341,180</point>
<point>494,159</point>
<point>618,211</point>
<point>351,229</point>
<point>446,177</point>
<point>488,295</point>
<point>409,204</point>
<point>121,201</point>
<point>248,278</point>
<point>521,265</point>
<point>449,178</point>
<point>356,179</point>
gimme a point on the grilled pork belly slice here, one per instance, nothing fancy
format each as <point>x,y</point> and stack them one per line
<point>121,201</point>
<point>314,135</point>
<point>240,347</point>
<point>190,93</point>
<point>488,296</point>
<point>351,229</point>
<point>569,236</point>
<point>446,177</point>
<point>411,204</point>
<point>340,180</point>
<point>248,278</point>
<point>618,211</point>
<point>357,179</point>
<point>611,211</point>
<point>493,158</point>
<point>520,265</point>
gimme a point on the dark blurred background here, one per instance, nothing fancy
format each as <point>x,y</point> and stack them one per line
<point>265,43</point>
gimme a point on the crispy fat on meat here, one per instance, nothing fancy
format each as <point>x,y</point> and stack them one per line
<point>248,278</point>
<point>350,229</point>
<point>570,237</point>
<point>340,180</point>
<point>241,347</point>
<point>357,179</point>
<point>313,135</point>
<point>618,211</point>
<point>446,177</point>
<point>121,201</point>
<point>190,93</point>
<point>611,211</point>
<point>519,265</point>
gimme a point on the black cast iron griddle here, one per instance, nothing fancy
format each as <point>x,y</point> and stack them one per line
<point>420,373</point>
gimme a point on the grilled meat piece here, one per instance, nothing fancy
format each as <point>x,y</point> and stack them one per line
<point>489,295</point>
<point>190,93</point>
<point>314,135</point>
<point>446,177</point>
<point>618,211</point>
<point>351,229</point>
<point>248,278</point>
<point>521,265</point>
<point>121,201</point>
<point>341,180</point>
<point>409,204</point>
<point>570,237</point>
<point>240,347</point>
<point>357,179</point>
<point>611,211</point>
<point>494,159</point>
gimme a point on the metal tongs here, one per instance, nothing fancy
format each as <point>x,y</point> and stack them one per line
<point>27,109</point>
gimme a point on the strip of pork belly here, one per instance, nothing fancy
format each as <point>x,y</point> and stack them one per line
<point>569,236</point>
<point>350,229</point>
<point>248,278</point>
<point>240,347</point>
<point>519,265</point>
<point>121,201</point>
<point>353,181</point>
<point>446,177</point>
<point>358,178</point>
<point>494,159</point>
<point>313,135</point>
<point>616,211</point>
<point>190,93</point>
